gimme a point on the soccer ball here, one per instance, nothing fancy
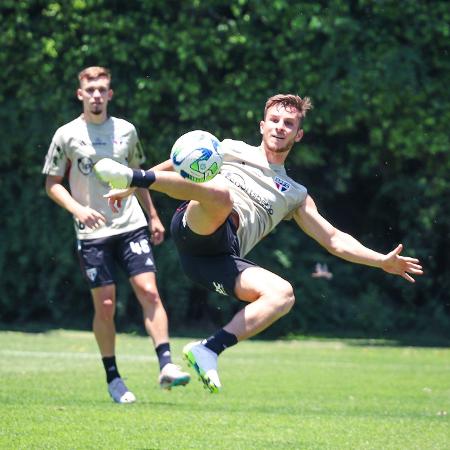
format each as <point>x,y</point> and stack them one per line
<point>195,156</point>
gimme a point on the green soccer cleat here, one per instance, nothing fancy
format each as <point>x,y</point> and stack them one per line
<point>116,175</point>
<point>172,376</point>
<point>204,361</point>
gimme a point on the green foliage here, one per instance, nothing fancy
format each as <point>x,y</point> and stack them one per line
<point>375,154</point>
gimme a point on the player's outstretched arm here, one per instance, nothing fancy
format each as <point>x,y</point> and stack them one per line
<point>347,247</point>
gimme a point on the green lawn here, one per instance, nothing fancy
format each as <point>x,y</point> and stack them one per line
<point>306,394</point>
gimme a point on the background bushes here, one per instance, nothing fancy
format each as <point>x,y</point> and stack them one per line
<point>375,155</point>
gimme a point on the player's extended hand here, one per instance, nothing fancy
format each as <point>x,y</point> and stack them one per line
<point>401,265</point>
<point>90,217</point>
<point>115,197</point>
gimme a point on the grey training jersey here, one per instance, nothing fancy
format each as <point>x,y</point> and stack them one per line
<point>75,148</point>
<point>262,193</point>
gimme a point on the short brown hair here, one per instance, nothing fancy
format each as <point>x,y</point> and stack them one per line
<point>93,72</point>
<point>302,105</point>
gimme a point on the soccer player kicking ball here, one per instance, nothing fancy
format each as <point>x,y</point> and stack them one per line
<point>223,219</point>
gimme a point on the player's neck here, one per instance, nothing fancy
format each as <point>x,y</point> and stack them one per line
<point>96,119</point>
<point>275,157</point>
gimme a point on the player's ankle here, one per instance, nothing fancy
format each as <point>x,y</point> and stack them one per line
<point>142,178</point>
<point>220,341</point>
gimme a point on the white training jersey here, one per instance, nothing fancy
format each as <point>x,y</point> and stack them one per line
<point>262,193</point>
<point>75,148</point>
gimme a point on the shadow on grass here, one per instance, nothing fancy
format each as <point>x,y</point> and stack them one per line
<point>391,340</point>
<point>41,327</point>
<point>356,339</point>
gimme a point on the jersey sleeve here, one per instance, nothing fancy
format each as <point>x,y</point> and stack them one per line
<point>56,159</point>
<point>136,156</point>
<point>302,193</point>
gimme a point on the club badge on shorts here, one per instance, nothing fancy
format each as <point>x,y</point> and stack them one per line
<point>91,273</point>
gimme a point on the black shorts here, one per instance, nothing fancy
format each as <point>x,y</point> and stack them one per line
<point>212,260</point>
<point>99,257</point>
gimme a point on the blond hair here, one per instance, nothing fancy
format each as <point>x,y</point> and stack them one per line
<point>302,105</point>
<point>93,72</point>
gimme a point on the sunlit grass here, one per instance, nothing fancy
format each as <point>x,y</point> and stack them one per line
<point>308,394</point>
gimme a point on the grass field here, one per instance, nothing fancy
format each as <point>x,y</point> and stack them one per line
<point>305,394</point>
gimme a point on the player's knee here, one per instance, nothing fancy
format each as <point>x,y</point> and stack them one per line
<point>106,310</point>
<point>148,295</point>
<point>278,297</point>
<point>286,297</point>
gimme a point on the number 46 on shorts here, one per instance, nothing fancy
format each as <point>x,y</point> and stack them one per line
<point>140,247</point>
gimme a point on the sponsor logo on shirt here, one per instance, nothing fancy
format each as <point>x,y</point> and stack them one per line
<point>98,142</point>
<point>256,197</point>
<point>282,185</point>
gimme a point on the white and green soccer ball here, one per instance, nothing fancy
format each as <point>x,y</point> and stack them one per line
<point>196,156</point>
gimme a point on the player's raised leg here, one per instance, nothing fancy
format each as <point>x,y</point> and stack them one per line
<point>211,201</point>
<point>270,297</point>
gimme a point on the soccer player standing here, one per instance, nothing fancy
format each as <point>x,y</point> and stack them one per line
<point>222,220</point>
<point>107,240</point>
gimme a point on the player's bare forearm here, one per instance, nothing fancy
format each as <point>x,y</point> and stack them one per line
<point>60,195</point>
<point>145,200</point>
<point>156,227</point>
<point>347,247</point>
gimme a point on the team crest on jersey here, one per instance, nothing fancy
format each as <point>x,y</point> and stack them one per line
<point>282,185</point>
<point>85,165</point>
<point>91,273</point>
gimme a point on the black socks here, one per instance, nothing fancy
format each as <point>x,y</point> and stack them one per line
<point>111,370</point>
<point>142,178</point>
<point>163,353</point>
<point>220,341</point>
<point>109,362</point>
